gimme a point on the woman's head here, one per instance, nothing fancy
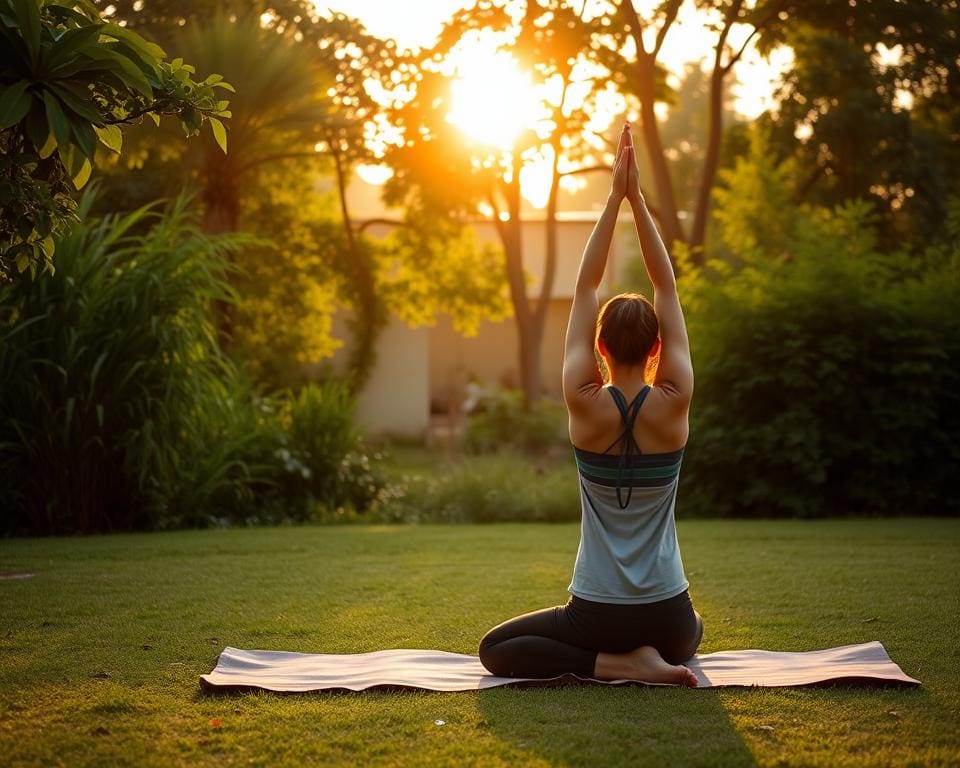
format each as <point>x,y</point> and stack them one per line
<point>628,330</point>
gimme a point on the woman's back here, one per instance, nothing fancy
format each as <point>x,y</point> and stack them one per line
<point>628,551</point>
<point>659,427</point>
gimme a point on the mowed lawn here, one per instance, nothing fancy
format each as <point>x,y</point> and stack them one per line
<point>100,651</point>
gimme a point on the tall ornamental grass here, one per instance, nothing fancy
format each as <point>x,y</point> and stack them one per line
<point>119,410</point>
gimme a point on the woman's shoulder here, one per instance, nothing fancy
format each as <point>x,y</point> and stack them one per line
<point>598,426</point>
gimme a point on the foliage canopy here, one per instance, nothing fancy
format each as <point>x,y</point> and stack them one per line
<point>68,80</point>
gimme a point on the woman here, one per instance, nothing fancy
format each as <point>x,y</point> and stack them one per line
<point>629,615</point>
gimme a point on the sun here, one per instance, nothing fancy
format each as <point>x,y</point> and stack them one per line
<point>492,99</point>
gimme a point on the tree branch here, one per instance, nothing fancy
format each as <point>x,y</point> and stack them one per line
<point>497,221</point>
<point>636,26</point>
<point>770,16</point>
<point>670,17</point>
<point>389,222</point>
<point>273,158</point>
<point>811,179</point>
<point>729,18</point>
<point>585,169</point>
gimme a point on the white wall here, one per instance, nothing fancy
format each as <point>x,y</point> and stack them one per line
<point>396,399</point>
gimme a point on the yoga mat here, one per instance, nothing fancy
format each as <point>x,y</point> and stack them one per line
<point>405,669</point>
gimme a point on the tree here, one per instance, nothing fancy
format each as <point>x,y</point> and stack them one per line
<point>159,19</point>
<point>302,116</point>
<point>874,95</point>
<point>284,113</point>
<point>439,169</point>
<point>631,46</point>
<point>68,80</point>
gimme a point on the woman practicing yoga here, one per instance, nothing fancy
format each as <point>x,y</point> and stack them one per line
<point>629,615</point>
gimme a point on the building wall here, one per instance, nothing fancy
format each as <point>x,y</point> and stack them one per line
<point>491,357</point>
<point>426,370</point>
<point>396,399</point>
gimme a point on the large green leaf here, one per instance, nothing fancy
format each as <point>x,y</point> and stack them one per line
<point>77,99</point>
<point>146,49</point>
<point>68,45</point>
<point>85,138</point>
<point>57,120</point>
<point>77,165</point>
<point>63,13</point>
<point>219,133</point>
<point>47,149</point>
<point>38,129</point>
<point>28,15</point>
<point>123,67</point>
<point>110,136</point>
<point>14,104</point>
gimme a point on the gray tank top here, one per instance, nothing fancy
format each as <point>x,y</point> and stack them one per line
<point>628,550</point>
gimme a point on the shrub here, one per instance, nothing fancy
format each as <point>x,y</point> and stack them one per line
<point>101,366</point>
<point>119,410</point>
<point>325,468</point>
<point>501,421</point>
<point>486,489</point>
<point>827,383</point>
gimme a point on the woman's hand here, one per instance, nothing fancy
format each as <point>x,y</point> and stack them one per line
<point>620,184</point>
<point>633,194</point>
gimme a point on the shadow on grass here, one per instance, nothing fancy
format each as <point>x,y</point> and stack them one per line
<point>629,725</point>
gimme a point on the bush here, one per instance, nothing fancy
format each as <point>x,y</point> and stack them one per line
<point>501,421</point>
<point>828,383</point>
<point>119,410</point>
<point>488,489</point>
<point>325,468</point>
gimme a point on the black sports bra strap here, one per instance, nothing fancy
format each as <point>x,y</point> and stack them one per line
<point>628,413</point>
<point>638,400</point>
<point>619,400</point>
<point>629,416</point>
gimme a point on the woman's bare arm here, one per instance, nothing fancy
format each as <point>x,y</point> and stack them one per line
<point>675,369</point>
<point>580,372</point>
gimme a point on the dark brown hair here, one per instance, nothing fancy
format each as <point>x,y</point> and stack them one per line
<point>629,328</point>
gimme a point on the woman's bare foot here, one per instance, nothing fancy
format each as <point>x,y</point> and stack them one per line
<point>644,664</point>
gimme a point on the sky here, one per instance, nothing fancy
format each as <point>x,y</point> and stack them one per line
<point>687,40</point>
<point>493,98</point>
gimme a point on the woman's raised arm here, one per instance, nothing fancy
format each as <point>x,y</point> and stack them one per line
<point>580,371</point>
<point>675,369</point>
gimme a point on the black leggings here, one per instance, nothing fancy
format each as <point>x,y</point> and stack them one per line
<point>567,638</point>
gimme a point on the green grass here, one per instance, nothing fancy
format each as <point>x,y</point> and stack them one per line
<point>153,611</point>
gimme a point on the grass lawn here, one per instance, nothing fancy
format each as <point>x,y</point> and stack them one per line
<point>101,650</point>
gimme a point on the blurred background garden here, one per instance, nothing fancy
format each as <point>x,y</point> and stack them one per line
<point>287,262</point>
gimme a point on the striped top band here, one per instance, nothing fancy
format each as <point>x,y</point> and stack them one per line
<point>645,470</point>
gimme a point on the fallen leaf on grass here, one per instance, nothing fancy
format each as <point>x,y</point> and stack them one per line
<point>216,723</point>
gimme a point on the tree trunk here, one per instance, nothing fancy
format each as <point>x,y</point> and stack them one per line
<point>368,316</point>
<point>666,199</point>
<point>549,267</point>
<point>710,163</point>
<point>646,79</point>
<point>511,236</point>
<point>221,214</point>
